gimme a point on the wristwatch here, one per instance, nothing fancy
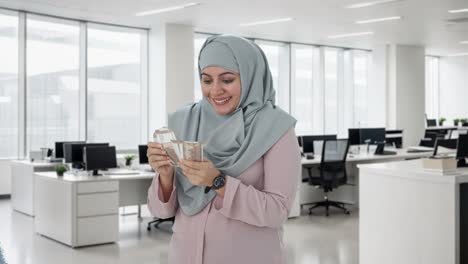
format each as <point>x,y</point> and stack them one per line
<point>218,183</point>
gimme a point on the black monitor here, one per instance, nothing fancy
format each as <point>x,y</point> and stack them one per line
<point>354,136</point>
<point>462,150</point>
<point>142,154</point>
<point>59,147</point>
<point>308,141</point>
<point>431,122</point>
<point>299,140</point>
<point>446,143</point>
<point>73,152</point>
<point>99,158</point>
<point>372,135</point>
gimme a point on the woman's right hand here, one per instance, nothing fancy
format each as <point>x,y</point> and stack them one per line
<point>159,161</point>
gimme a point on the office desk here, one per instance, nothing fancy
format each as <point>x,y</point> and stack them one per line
<point>411,215</point>
<point>349,193</point>
<point>84,210</point>
<point>22,183</point>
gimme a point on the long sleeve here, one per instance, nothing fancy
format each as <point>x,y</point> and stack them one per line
<point>156,205</point>
<point>268,207</point>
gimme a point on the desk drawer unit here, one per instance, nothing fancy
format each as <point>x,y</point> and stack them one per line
<point>97,204</point>
<point>95,187</point>
<point>97,230</point>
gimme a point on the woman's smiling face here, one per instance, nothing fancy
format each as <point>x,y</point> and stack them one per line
<point>222,88</point>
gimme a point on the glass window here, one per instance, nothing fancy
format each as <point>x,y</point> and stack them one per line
<point>302,90</point>
<point>9,86</point>
<point>432,87</point>
<point>360,79</point>
<point>277,54</point>
<point>115,86</point>
<point>331,90</point>
<point>52,67</point>
<point>198,43</point>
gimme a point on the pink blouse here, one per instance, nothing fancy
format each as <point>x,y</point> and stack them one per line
<point>246,225</point>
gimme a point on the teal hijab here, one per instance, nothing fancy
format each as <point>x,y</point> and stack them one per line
<point>236,140</point>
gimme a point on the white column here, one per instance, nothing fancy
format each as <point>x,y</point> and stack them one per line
<point>377,88</point>
<point>406,91</point>
<point>171,77</point>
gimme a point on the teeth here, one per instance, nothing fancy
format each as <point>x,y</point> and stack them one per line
<point>221,101</point>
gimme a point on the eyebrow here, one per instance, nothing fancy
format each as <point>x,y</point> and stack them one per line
<point>224,73</point>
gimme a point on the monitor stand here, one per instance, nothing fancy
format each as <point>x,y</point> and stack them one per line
<point>96,173</point>
<point>462,163</point>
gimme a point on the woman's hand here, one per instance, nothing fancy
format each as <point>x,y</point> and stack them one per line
<point>199,173</point>
<point>159,161</point>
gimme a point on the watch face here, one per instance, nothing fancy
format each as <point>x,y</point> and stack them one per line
<point>219,182</point>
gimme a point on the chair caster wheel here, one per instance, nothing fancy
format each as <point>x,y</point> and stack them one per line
<point>148,228</point>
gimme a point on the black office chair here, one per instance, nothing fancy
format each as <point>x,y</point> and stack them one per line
<point>430,139</point>
<point>158,221</point>
<point>446,143</point>
<point>331,173</point>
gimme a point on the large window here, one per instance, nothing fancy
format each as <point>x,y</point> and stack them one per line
<point>115,86</point>
<point>277,54</point>
<point>52,81</point>
<point>331,90</point>
<point>8,85</point>
<point>432,87</point>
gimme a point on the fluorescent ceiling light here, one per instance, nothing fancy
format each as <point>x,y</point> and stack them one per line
<point>351,35</point>
<point>458,11</point>
<point>266,22</point>
<point>378,20</point>
<point>167,9</point>
<point>458,54</point>
<point>464,42</point>
<point>372,3</point>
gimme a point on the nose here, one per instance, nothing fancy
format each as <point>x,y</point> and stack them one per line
<point>217,88</point>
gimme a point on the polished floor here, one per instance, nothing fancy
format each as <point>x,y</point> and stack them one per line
<point>313,239</point>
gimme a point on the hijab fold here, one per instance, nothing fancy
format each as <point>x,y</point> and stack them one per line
<point>233,142</point>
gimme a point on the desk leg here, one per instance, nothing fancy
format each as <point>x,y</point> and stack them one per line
<point>139,211</point>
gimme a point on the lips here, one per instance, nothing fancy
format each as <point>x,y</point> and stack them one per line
<point>221,101</point>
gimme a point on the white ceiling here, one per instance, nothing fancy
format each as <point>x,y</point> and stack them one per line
<point>424,21</point>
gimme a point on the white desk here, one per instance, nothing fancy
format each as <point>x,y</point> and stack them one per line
<point>22,183</point>
<point>411,215</point>
<point>84,210</point>
<point>349,193</point>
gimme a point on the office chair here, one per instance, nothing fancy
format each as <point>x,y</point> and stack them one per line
<point>156,222</point>
<point>430,139</point>
<point>331,173</point>
<point>446,143</point>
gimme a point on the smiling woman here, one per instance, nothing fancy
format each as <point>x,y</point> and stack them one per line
<point>229,208</point>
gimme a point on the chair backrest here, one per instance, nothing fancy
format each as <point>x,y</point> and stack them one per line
<point>335,150</point>
<point>430,139</point>
<point>333,164</point>
<point>446,143</point>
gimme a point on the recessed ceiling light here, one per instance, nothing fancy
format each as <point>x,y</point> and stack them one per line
<point>264,22</point>
<point>372,3</point>
<point>167,9</point>
<point>458,11</point>
<point>464,42</point>
<point>351,35</point>
<point>458,54</point>
<point>375,20</point>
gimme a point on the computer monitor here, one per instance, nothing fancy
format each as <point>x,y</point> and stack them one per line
<point>59,147</point>
<point>354,136</point>
<point>462,150</point>
<point>73,152</point>
<point>308,142</point>
<point>372,135</point>
<point>299,140</point>
<point>99,158</point>
<point>446,143</point>
<point>431,122</point>
<point>142,154</point>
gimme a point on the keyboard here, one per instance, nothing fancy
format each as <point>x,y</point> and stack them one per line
<point>419,149</point>
<point>120,172</point>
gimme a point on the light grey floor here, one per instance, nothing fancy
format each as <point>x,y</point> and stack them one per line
<point>308,239</point>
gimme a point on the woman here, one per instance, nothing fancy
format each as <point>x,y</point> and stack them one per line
<point>231,207</point>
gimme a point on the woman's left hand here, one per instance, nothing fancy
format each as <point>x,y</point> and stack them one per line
<point>200,173</point>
